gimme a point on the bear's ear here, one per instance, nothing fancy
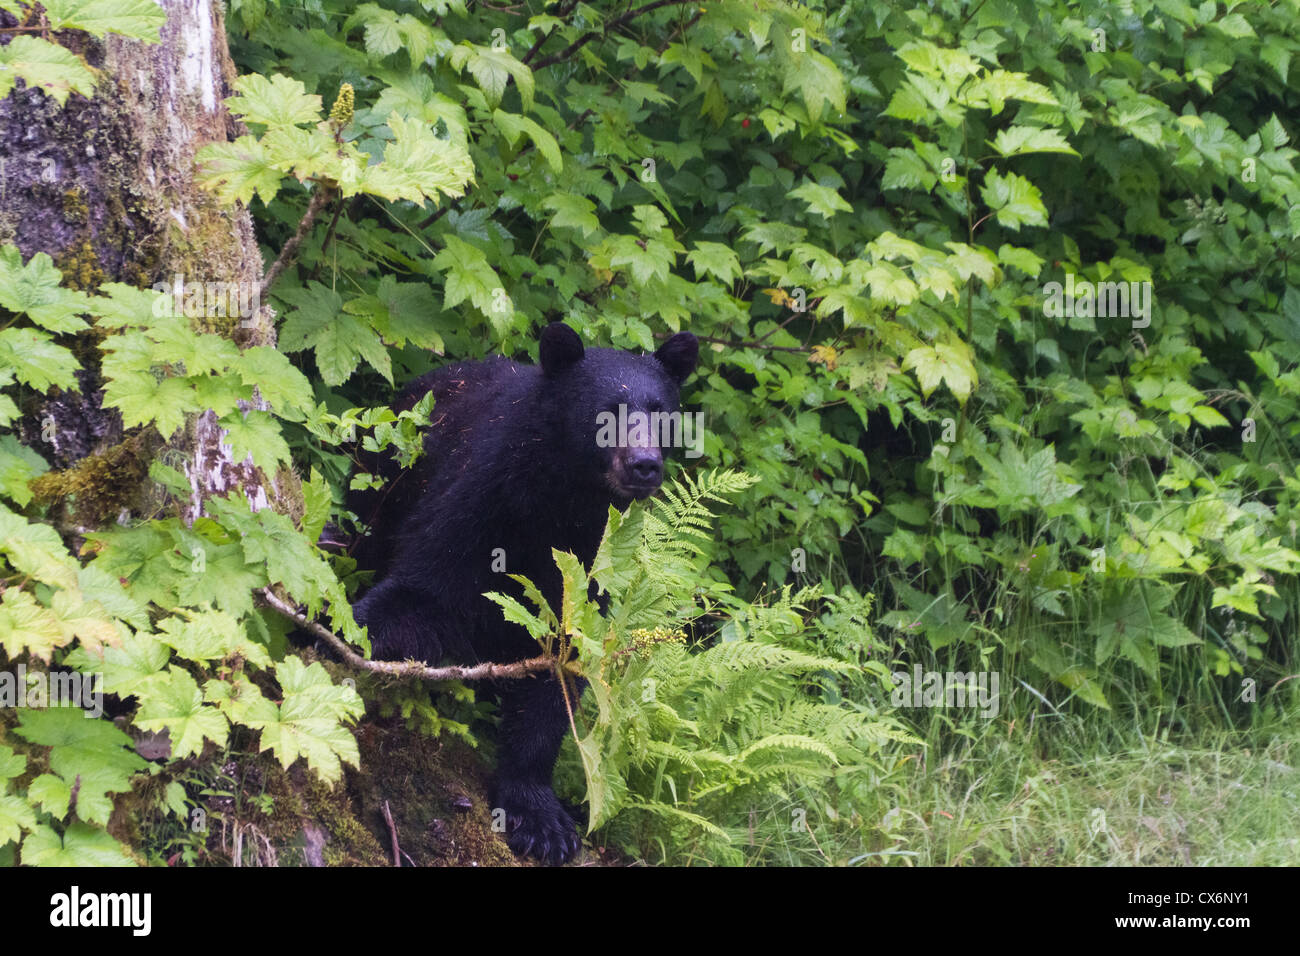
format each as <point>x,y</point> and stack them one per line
<point>678,355</point>
<point>560,348</point>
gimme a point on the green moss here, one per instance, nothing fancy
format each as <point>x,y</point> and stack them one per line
<point>436,791</point>
<point>76,211</point>
<point>80,267</point>
<point>98,487</point>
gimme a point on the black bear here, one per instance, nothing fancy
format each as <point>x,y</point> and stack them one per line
<point>517,462</point>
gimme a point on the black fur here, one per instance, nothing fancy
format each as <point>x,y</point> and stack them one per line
<point>511,462</point>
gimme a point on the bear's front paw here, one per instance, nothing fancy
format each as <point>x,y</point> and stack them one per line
<point>537,824</point>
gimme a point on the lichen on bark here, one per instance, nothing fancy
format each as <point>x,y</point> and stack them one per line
<point>106,187</point>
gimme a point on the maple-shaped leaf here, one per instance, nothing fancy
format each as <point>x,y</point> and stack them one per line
<point>173,702</point>
<point>467,275</point>
<point>255,434</point>
<point>79,845</point>
<point>36,550</point>
<point>28,626</point>
<point>274,101</point>
<point>32,357</point>
<point>948,362</point>
<point>138,19</point>
<point>87,748</point>
<point>417,165</point>
<point>400,312</point>
<point>34,289</point>
<point>235,171</point>
<point>309,722</point>
<point>123,668</point>
<point>205,636</point>
<point>45,66</point>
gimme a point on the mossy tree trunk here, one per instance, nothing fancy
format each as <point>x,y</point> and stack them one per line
<point>106,187</point>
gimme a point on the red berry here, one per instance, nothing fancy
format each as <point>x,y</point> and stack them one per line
<point>745,123</point>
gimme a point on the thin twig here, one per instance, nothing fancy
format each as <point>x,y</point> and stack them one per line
<point>614,24</point>
<point>561,14</point>
<point>523,668</point>
<point>329,233</point>
<point>319,198</point>
<point>392,830</point>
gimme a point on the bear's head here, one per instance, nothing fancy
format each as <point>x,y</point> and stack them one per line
<point>617,410</point>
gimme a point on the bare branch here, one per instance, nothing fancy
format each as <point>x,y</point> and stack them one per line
<point>322,195</point>
<point>614,24</point>
<point>523,668</point>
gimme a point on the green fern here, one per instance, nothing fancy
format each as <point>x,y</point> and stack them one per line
<point>677,740</point>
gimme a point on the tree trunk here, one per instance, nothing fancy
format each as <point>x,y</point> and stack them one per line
<point>106,187</point>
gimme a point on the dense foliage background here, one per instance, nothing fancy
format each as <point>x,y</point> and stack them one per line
<point>859,209</point>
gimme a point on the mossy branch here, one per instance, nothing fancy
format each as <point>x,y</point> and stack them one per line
<point>516,669</point>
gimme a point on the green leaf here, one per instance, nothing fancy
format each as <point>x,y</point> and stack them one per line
<point>1021,140</point>
<point>400,312</point>
<point>36,550</point>
<point>907,170</point>
<point>467,275</point>
<point>1015,200</point>
<point>1022,259</point>
<point>34,289</point>
<point>174,703</point>
<point>1234,25</point>
<point>142,399</point>
<point>516,613</point>
<point>80,845</point>
<point>52,794</point>
<point>18,466</point>
<point>994,89</point>
<point>1077,680</point>
<point>308,724</point>
<point>124,668</point>
<point>11,765</point>
<point>492,69</point>
<point>274,102</point>
<point>285,388</point>
<point>717,259</point>
<point>138,19</point>
<point>207,636</point>
<point>85,749</point>
<point>949,362</point>
<point>255,433</point>
<point>28,626</point>
<point>514,126</point>
<point>340,340</point>
<point>823,200</point>
<point>317,502</point>
<point>235,171</point>
<point>35,360</point>
<point>44,65</point>
<point>417,164</point>
<point>16,815</point>
<point>271,537</point>
<point>818,81</point>
<point>1208,417</point>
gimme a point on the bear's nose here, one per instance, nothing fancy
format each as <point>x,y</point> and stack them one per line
<point>645,465</point>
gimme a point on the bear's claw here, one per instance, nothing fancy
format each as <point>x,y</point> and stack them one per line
<point>541,828</point>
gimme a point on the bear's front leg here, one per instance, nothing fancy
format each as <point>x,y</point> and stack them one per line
<point>401,622</point>
<point>534,722</point>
